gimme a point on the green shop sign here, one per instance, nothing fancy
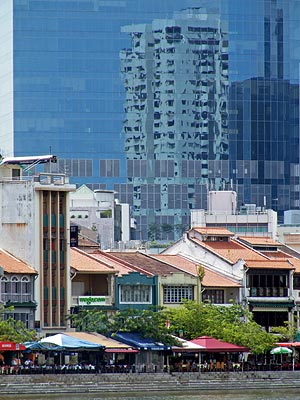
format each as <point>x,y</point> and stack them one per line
<point>91,300</point>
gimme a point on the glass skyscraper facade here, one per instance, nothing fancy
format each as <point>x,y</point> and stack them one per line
<point>159,100</point>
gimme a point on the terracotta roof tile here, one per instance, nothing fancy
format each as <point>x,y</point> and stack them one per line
<point>231,251</point>
<point>86,242</point>
<point>235,250</point>
<point>13,265</point>
<point>276,254</point>
<point>213,231</point>
<point>259,240</point>
<point>146,262</point>
<point>123,266</point>
<point>296,264</point>
<point>84,262</point>
<point>211,278</point>
<point>270,264</point>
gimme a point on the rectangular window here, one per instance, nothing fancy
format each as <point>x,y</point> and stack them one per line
<point>297,282</point>
<point>175,294</point>
<point>109,168</point>
<point>141,294</point>
<point>213,296</point>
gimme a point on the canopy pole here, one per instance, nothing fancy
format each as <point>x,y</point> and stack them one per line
<point>168,364</point>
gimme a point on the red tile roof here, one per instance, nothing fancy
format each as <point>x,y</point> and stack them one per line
<point>147,263</point>
<point>84,262</point>
<point>87,242</point>
<point>211,278</point>
<point>259,240</point>
<point>232,251</point>
<point>296,264</point>
<point>123,266</point>
<point>13,265</point>
<point>213,231</point>
<point>276,255</point>
<point>270,264</point>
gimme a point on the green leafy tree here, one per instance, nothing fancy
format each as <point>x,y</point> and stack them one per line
<point>233,324</point>
<point>287,332</point>
<point>15,331</point>
<point>200,272</point>
<point>149,323</point>
<point>90,321</point>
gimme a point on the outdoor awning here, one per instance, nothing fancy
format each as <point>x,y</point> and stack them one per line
<point>121,351</point>
<point>187,346</point>
<point>271,304</point>
<point>213,345</point>
<point>70,343</point>
<point>4,346</point>
<point>38,346</point>
<point>106,342</point>
<point>137,341</point>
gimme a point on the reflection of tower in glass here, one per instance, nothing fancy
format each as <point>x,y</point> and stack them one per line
<point>176,82</point>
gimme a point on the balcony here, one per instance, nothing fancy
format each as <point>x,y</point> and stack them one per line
<point>267,292</point>
<point>16,298</point>
<point>93,300</point>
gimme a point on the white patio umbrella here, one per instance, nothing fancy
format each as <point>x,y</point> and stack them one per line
<point>281,350</point>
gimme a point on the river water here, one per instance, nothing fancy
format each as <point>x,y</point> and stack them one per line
<point>280,394</point>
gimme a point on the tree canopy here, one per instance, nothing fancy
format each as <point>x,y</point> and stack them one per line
<point>233,324</point>
<point>15,331</point>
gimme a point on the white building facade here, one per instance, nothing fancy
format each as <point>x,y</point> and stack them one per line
<point>35,227</point>
<point>249,220</point>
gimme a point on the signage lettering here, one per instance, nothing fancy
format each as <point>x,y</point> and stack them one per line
<point>91,300</point>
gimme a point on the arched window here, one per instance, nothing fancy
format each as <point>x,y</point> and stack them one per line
<point>25,286</point>
<point>15,285</point>
<point>5,285</point>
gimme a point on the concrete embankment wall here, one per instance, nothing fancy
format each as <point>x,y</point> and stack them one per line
<point>135,382</point>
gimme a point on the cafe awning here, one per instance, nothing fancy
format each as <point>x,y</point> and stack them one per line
<point>37,346</point>
<point>70,343</point>
<point>11,346</point>
<point>213,345</point>
<point>137,341</point>
<point>111,345</point>
<point>187,346</point>
<point>121,351</point>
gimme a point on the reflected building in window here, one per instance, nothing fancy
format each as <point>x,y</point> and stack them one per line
<point>176,82</point>
<point>159,101</point>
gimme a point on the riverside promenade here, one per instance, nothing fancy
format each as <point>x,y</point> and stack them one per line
<point>148,382</point>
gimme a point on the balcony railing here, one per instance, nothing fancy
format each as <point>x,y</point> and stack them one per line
<point>93,300</point>
<point>268,292</point>
<point>16,298</point>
